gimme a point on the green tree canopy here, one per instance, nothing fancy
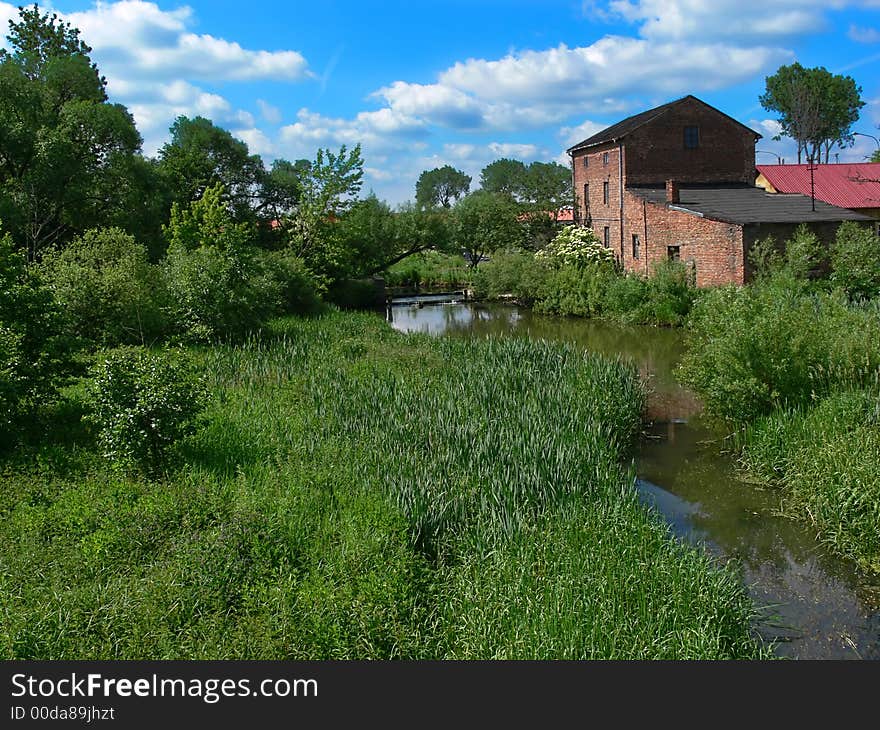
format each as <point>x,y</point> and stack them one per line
<point>547,186</point>
<point>485,222</point>
<point>816,108</point>
<point>201,155</point>
<point>64,150</point>
<point>504,176</point>
<point>441,187</point>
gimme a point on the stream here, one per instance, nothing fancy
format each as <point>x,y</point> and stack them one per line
<point>812,604</point>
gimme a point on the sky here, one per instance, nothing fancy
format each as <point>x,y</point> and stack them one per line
<point>422,84</point>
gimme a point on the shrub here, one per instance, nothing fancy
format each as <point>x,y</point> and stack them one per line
<point>855,266</point>
<point>514,272</point>
<point>142,404</point>
<point>34,356</point>
<point>208,272</point>
<point>108,288</point>
<point>284,284</point>
<point>576,246</point>
<point>777,344</point>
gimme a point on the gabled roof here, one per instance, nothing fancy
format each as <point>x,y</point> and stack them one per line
<point>848,185</point>
<point>630,124</point>
<point>744,204</point>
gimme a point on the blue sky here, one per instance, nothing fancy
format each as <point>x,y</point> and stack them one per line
<point>423,84</point>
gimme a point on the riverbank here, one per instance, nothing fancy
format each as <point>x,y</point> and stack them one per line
<point>355,493</point>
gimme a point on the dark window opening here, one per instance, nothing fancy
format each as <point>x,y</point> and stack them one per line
<point>673,253</point>
<point>605,158</point>
<point>586,196</point>
<point>586,160</point>
<point>691,137</point>
<point>607,237</point>
<point>605,192</point>
<point>637,245</point>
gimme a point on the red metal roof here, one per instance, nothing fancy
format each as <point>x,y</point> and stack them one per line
<point>846,185</point>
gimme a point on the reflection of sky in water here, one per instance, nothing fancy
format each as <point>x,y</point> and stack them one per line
<point>819,606</point>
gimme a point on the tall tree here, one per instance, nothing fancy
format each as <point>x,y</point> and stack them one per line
<point>816,108</point>
<point>201,155</point>
<point>64,150</point>
<point>547,186</point>
<point>441,186</point>
<point>485,222</point>
<point>504,176</point>
<point>328,188</point>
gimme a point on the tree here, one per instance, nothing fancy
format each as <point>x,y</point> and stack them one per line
<point>547,186</point>
<point>441,186</point>
<point>485,222</point>
<point>64,150</point>
<point>328,189</point>
<point>504,176</point>
<point>201,155</point>
<point>817,108</point>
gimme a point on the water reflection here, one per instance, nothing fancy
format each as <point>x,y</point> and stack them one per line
<point>820,606</point>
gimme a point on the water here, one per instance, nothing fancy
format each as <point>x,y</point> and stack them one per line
<point>814,605</point>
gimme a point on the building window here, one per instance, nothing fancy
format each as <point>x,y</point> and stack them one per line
<point>586,196</point>
<point>586,160</point>
<point>637,245</point>
<point>691,137</point>
<point>604,158</point>
<point>605,192</point>
<point>606,237</point>
<point>673,253</point>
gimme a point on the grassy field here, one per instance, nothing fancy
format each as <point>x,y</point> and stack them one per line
<point>352,492</point>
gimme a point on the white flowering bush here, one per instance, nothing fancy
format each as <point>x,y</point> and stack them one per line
<point>575,246</point>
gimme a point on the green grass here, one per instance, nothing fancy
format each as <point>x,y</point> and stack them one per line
<point>827,459</point>
<point>430,270</point>
<point>352,492</point>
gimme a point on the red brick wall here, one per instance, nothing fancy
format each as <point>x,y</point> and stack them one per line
<point>713,248</point>
<point>597,173</point>
<point>656,152</point>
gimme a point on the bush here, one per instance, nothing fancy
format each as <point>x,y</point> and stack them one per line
<point>34,356</point>
<point>855,266</point>
<point>108,288</point>
<point>208,272</point>
<point>142,404</point>
<point>576,246</point>
<point>284,284</point>
<point>515,272</point>
<point>775,344</point>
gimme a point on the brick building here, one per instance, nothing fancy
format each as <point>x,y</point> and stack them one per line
<point>677,182</point>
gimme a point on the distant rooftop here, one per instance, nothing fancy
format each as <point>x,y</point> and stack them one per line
<point>626,126</point>
<point>745,204</point>
<point>848,185</point>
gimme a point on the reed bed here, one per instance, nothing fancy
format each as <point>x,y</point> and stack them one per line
<point>356,493</point>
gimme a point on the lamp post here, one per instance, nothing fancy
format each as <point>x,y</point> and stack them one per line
<point>870,136</point>
<point>765,152</point>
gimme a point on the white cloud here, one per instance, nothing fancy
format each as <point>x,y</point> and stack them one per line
<point>137,38</point>
<point>271,114</point>
<point>863,35</point>
<point>572,135</point>
<point>257,141</point>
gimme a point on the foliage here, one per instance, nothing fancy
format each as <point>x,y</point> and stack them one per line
<point>441,187</point>
<point>353,493</point>
<point>776,343</point>
<point>547,186</point>
<point>504,176</point>
<point>855,266</point>
<point>816,108</point>
<point>327,190</point>
<point>430,269</point>
<point>34,357</point>
<point>108,289</point>
<point>208,272</point>
<point>512,273</point>
<point>65,151</point>
<point>576,246</point>
<point>824,456</point>
<point>483,223</point>
<point>284,283</point>
<point>142,404</point>
<point>200,155</point>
